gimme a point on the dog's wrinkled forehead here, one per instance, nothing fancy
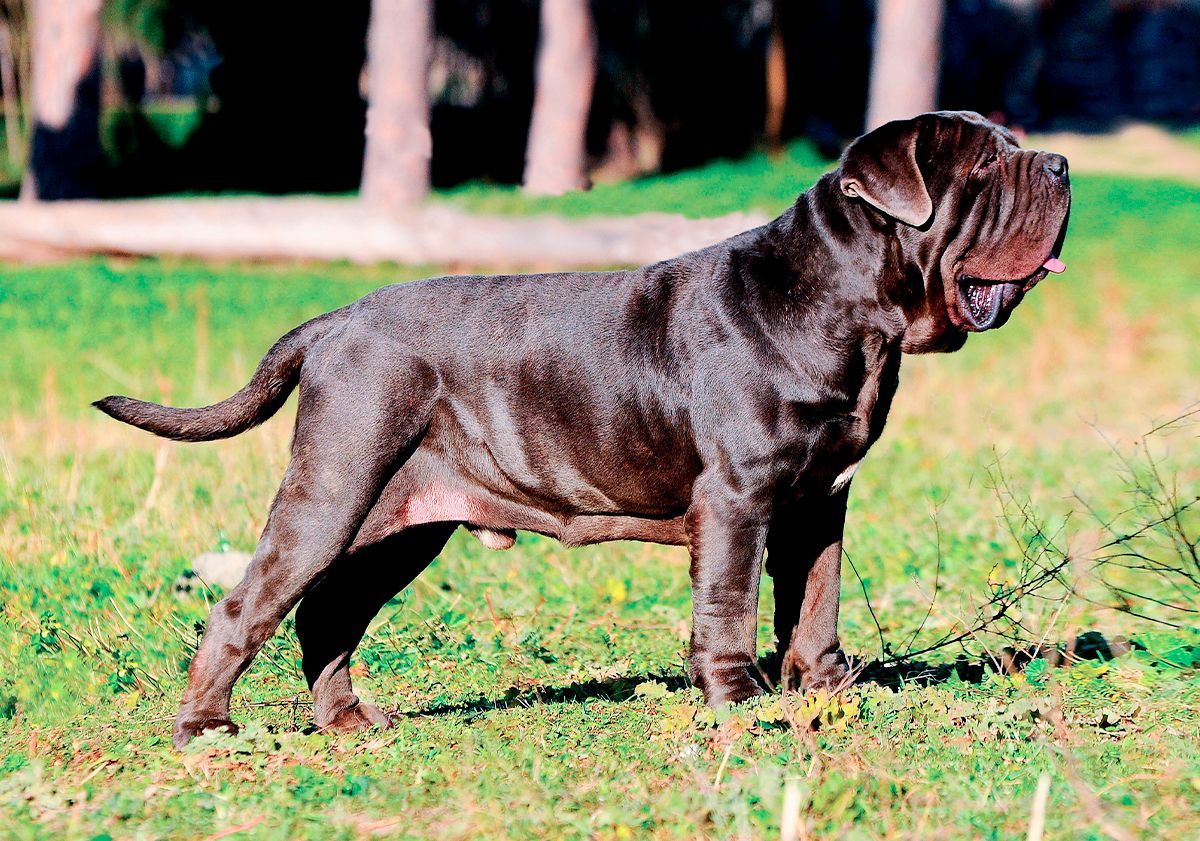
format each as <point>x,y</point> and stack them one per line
<point>905,167</point>
<point>956,145</point>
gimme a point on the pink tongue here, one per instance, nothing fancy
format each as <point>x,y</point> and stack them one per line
<point>1054,265</point>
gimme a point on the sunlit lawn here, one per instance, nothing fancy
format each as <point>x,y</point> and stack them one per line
<point>540,692</point>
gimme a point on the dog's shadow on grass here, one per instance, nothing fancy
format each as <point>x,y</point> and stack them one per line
<point>893,674</point>
<point>617,689</point>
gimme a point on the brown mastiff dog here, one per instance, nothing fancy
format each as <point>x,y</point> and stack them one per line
<point>720,401</point>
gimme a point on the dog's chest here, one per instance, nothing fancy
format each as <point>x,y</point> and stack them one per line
<point>843,479</point>
<point>845,439</point>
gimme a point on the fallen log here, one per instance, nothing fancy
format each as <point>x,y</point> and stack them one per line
<point>313,228</point>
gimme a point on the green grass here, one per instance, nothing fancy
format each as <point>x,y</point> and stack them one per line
<point>539,692</point>
<point>766,182</point>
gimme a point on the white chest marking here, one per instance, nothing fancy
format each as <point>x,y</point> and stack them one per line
<point>844,478</point>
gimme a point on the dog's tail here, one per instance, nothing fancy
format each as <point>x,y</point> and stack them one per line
<point>273,380</point>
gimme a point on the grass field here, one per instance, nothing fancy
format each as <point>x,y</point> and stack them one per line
<point>540,692</point>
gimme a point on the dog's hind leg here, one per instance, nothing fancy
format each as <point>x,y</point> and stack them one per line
<point>364,405</point>
<point>334,614</point>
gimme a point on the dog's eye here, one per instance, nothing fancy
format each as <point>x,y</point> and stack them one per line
<point>984,169</point>
<point>986,164</point>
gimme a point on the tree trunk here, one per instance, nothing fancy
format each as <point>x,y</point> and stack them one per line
<point>317,228</point>
<point>906,61</point>
<point>64,147</point>
<point>13,141</point>
<point>556,155</point>
<point>396,161</point>
<point>776,82</point>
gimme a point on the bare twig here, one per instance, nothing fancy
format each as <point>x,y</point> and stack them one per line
<point>1156,537</point>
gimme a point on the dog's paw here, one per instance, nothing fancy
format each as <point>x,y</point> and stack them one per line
<point>832,677</point>
<point>828,671</point>
<point>729,686</point>
<point>188,728</point>
<point>361,716</point>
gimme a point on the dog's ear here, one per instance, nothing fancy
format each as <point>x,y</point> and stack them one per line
<point>881,169</point>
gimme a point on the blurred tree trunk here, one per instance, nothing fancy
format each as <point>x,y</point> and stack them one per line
<point>14,141</point>
<point>556,155</point>
<point>776,82</point>
<point>907,60</point>
<point>64,145</point>
<point>396,161</point>
<point>321,228</point>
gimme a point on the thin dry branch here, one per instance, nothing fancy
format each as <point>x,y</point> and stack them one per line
<point>1155,536</point>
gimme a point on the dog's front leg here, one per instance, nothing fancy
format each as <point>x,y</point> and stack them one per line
<point>804,559</point>
<point>726,538</point>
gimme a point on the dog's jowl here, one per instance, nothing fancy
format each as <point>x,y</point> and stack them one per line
<point>720,401</point>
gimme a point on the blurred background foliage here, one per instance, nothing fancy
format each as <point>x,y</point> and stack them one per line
<point>269,97</point>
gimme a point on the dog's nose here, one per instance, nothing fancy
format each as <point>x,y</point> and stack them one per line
<point>1056,165</point>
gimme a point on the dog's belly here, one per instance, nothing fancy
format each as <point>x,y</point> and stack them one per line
<point>429,490</point>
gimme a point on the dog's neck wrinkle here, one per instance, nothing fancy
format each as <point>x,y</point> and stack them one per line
<point>806,239</point>
<point>905,272</point>
<point>818,229</point>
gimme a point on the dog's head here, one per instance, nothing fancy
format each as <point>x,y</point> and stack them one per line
<point>978,221</point>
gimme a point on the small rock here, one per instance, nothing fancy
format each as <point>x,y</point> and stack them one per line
<point>221,569</point>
